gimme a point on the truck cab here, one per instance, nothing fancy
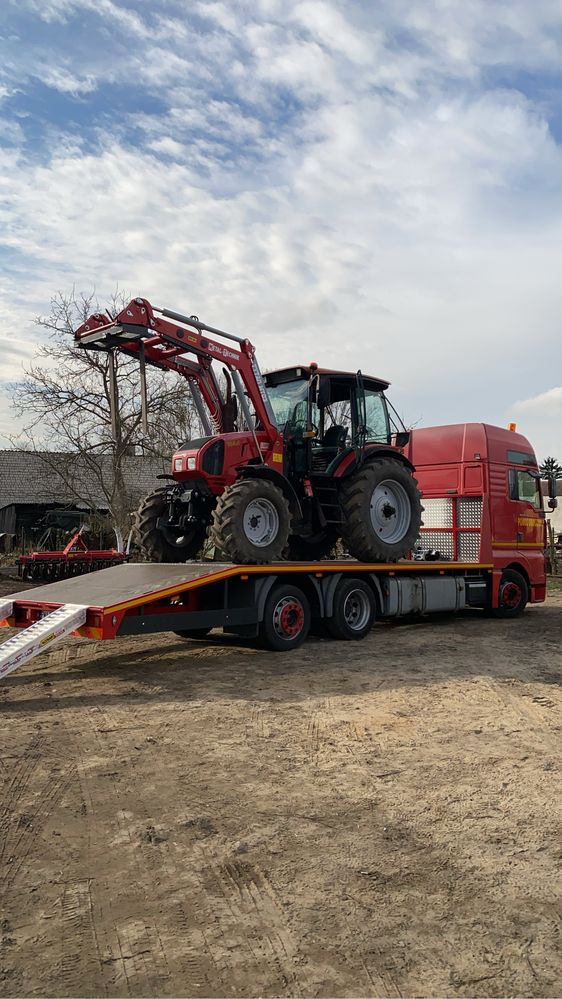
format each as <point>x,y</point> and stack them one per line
<point>482,501</point>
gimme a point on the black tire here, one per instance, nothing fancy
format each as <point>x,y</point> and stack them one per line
<point>513,594</point>
<point>286,618</point>
<point>233,521</point>
<point>320,546</point>
<point>193,633</point>
<point>369,532</point>
<point>353,611</point>
<point>157,545</point>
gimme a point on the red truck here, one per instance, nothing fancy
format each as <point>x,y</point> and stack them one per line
<point>482,502</point>
<point>481,546</point>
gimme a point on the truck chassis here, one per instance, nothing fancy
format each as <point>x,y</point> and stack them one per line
<point>278,603</point>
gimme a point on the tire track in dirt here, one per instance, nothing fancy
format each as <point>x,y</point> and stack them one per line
<point>536,710</point>
<point>380,983</point>
<point>257,724</point>
<point>31,796</point>
<point>78,963</point>
<point>129,953</point>
<point>252,921</point>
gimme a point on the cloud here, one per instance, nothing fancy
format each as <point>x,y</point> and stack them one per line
<point>541,418</point>
<point>374,187</point>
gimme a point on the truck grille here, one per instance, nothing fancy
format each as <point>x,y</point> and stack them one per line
<point>452,526</point>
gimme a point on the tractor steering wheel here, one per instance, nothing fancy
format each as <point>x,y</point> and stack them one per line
<point>304,424</point>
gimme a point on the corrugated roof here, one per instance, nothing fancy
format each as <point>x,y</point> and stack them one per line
<point>29,477</point>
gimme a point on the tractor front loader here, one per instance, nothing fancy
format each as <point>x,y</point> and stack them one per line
<point>288,464</point>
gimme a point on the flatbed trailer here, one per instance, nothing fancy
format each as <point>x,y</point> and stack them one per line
<point>277,603</point>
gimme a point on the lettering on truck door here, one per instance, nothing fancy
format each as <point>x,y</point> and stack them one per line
<point>529,522</point>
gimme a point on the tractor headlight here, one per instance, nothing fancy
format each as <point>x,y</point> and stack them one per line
<point>191,462</point>
<point>177,464</point>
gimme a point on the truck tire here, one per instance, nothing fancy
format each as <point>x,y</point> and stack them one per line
<point>513,594</point>
<point>315,549</point>
<point>286,618</point>
<point>353,611</point>
<point>161,546</point>
<point>382,511</point>
<point>251,522</point>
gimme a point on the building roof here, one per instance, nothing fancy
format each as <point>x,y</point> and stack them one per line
<point>32,477</point>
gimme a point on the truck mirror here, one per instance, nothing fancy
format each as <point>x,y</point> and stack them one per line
<point>553,502</point>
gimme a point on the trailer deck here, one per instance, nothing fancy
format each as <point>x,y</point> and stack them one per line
<point>192,598</point>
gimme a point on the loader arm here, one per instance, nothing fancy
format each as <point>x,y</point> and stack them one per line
<point>166,340</point>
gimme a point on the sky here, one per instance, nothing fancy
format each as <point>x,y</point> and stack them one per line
<point>365,184</point>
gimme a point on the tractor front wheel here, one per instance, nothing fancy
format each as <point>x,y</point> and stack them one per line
<point>164,545</point>
<point>382,511</point>
<point>251,522</point>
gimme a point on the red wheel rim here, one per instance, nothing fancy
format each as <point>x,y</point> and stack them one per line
<point>288,617</point>
<point>511,595</point>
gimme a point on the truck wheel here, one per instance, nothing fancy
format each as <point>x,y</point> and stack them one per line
<point>353,611</point>
<point>513,594</point>
<point>164,545</point>
<point>319,546</point>
<point>193,633</point>
<point>382,511</point>
<point>286,618</point>
<point>251,522</point>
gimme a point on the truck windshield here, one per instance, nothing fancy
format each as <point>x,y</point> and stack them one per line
<point>289,402</point>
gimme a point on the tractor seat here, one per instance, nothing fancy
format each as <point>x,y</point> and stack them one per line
<point>334,437</point>
<point>327,448</point>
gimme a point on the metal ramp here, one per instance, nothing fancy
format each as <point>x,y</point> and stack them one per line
<point>6,607</point>
<point>44,633</point>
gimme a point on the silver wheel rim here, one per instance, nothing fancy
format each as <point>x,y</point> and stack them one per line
<point>391,511</point>
<point>261,522</point>
<point>356,610</point>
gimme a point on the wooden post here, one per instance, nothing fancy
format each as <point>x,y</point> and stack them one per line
<point>552,549</point>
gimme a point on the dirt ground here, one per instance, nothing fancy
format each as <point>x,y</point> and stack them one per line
<point>378,819</point>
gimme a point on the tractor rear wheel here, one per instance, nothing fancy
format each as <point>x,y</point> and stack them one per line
<point>382,511</point>
<point>251,522</point>
<point>158,545</point>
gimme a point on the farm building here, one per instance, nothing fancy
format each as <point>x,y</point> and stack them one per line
<point>41,490</point>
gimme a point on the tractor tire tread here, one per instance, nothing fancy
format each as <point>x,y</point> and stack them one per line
<point>152,544</point>
<point>361,543</point>
<point>230,540</point>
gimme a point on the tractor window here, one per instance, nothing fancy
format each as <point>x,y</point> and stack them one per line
<point>289,400</point>
<point>376,417</point>
<point>523,486</point>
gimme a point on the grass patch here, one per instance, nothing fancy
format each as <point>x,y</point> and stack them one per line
<point>554,584</point>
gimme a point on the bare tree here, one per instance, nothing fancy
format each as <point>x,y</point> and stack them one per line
<point>65,402</point>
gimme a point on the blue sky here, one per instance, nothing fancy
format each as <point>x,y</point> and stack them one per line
<point>367,184</point>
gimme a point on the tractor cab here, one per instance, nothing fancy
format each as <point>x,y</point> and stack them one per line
<point>324,413</point>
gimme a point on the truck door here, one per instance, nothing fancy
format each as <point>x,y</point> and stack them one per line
<point>529,524</point>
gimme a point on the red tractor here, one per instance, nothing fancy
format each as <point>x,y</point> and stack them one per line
<point>288,464</point>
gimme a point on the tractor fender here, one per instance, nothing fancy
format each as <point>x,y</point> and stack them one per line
<point>346,463</point>
<point>282,483</point>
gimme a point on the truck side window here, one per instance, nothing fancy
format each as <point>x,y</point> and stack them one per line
<point>523,486</point>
